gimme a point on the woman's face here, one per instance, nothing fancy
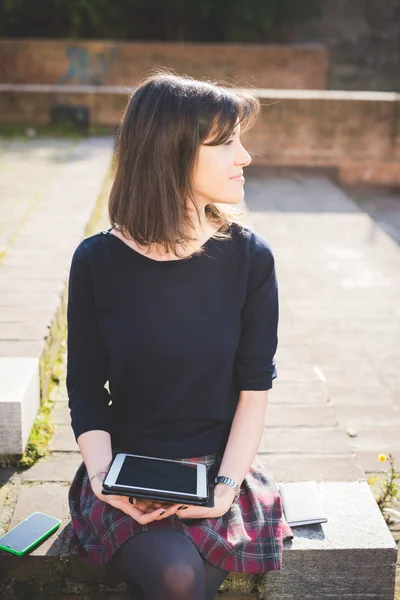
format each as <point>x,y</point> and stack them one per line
<point>216,174</point>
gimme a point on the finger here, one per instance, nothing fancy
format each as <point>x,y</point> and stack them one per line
<point>122,503</point>
<point>185,509</point>
<point>148,506</point>
<point>194,512</point>
<point>146,509</point>
<point>170,511</point>
<point>139,514</point>
<point>154,504</point>
<point>146,518</point>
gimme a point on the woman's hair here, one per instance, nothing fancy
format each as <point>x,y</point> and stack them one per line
<point>166,120</point>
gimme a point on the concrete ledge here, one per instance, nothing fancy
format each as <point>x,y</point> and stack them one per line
<point>20,400</point>
<point>353,556</point>
<point>292,94</point>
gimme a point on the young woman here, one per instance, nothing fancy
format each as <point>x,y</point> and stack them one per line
<point>176,306</point>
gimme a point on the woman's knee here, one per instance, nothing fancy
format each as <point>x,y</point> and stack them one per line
<point>180,578</point>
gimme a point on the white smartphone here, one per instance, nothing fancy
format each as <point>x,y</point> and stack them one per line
<point>146,474</point>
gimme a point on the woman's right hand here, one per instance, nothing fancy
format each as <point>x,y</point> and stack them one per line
<point>143,511</point>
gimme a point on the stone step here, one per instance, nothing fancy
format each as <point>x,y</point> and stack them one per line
<point>352,556</point>
<point>20,398</point>
<point>318,467</point>
<point>304,440</point>
<point>296,415</point>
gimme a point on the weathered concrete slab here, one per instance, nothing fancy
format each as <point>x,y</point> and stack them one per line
<point>380,439</point>
<point>369,460</point>
<point>16,349</point>
<point>63,440</point>
<point>368,416</point>
<point>305,440</point>
<point>298,371</point>
<point>25,331</point>
<point>355,554</point>
<point>30,313</point>
<point>48,273</point>
<point>60,415</point>
<point>312,393</point>
<point>61,466</point>
<point>295,415</point>
<point>307,467</point>
<point>20,398</point>
<point>360,395</point>
<point>14,283</point>
<point>44,299</point>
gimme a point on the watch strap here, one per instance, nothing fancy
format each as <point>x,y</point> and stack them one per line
<point>228,481</point>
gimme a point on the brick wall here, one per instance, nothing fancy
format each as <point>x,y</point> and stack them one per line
<point>124,63</point>
<point>358,133</point>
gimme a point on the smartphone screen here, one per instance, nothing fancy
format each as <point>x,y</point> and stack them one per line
<point>28,533</point>
<point>158,475</point>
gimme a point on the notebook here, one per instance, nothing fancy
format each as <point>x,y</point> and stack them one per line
<point>302,503</point>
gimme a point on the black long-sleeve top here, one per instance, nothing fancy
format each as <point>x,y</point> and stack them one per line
<point>176,340</point>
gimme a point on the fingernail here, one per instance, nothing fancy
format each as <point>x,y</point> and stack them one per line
<point>162,512</point>
<point>184,507</point>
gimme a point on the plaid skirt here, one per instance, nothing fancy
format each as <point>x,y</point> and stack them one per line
<point>247,539</point>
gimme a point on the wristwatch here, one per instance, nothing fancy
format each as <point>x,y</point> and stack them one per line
<point>230,482</point>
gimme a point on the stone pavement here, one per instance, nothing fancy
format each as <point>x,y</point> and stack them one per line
<point>49,191</point>
<point>27,172</point>
<point>336,403</point>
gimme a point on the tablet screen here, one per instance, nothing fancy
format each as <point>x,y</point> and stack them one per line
<point>158,475</point>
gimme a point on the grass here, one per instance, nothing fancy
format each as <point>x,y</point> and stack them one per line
<point>41,434</point>
<point>62,130</point>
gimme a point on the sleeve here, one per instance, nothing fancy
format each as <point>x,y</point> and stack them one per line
<point>87,360</point>
<point>254,365</point>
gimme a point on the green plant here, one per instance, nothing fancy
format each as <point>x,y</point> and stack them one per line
<point>387,491</point>
<point>41,433</point>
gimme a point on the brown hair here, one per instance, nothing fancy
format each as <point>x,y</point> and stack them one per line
<point>166,120</point>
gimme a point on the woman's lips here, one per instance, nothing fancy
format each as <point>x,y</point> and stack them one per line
<point>240,178</point>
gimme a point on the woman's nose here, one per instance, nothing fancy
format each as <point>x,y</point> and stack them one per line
<point>243,157</point>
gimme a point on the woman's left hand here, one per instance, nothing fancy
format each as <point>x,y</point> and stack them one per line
<point>223,498</point>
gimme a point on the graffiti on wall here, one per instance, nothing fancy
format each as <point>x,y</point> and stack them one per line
<point>85,67</point>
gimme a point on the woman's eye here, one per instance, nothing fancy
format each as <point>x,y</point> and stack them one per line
<point>228,143</point>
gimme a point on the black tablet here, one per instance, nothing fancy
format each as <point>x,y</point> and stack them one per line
<point>158,478</point>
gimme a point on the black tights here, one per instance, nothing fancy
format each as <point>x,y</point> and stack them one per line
<point>167,566</point>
